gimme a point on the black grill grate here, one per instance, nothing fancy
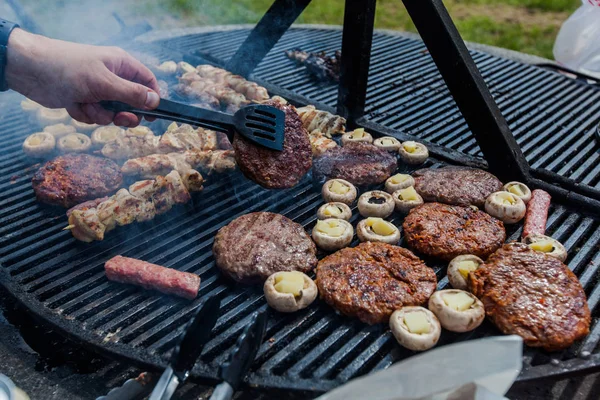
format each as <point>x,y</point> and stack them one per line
<point>62,280</point>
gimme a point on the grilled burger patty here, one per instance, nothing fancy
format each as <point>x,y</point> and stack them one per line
<point>533,295</point>
<point>456,185</point>
<point>372,280</point>
<point>445,231</point>
<point>277,169</point>
<point>358,163</point>
<point>72,179</point>
<point>252,247</point>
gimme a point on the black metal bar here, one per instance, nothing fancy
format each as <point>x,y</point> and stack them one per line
<point>271,27</point>
<point>468,88</point>
<point>359,19</point>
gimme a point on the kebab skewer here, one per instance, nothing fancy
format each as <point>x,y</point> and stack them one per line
<point>251,90</point>
<point>195,86</point>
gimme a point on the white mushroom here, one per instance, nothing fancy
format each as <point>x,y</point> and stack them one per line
<point>406,199</point>
<point>507,207</point>
<point>457,310</point>
<point>332,234</point>
<point>547,245</point>
<point>74,143</point>
<point>289,291</point>
<point>413,153</point>
<point>30,106</point>
<point>167,68</point>
<point>415,328</point>
<point>376,204</point>
<point>59,130</point>
<point>139,130</point>
<point>518,189</point>
<point>459,269</point>
<point>82,127</point>
<point>39,144</point>
<point>51,116</point>
<point>334,210</point>
<point>183,67</point>
<point>357,135</point>
<point>387,143</point>
<point>105,134</point>
<point>375,229</point>
<point>339,190</point>
<point>398,181</point>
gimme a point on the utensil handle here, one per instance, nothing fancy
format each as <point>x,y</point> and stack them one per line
<point>222,392</point>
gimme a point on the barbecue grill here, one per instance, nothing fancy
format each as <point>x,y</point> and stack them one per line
<point>551,116</point>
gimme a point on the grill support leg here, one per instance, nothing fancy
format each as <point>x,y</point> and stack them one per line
<point>271,27</point>
<point>359,18</point>
<point>468,88</point>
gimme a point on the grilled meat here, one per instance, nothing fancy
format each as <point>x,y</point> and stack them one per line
<point>533,295</point>
<point>537,213</point>
<point>199,97</point>
<point>322,121</point>
<point>161,164</point>
<point>152,276</point>
<point>445,231</point>
<point>358,163</point>
<point>277,169</point>
<point>319,65</point>
<point>142,202</point>
<point>72,179</point>
<point>254,246</point>
<point>456,185</point>
<point>320,143</point>
<point>194,85</point>
<point>251,90</point>
<point>373,280</point>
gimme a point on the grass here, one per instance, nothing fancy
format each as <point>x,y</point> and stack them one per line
<point>529,26</point>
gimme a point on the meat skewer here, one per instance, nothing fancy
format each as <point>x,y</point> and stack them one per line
<point>318,65</point>
<point>251,90</point>
<point>537,213</point>
<point>161,164</point>
<point>142,202</point>
<point>194,85</point>
<point>322,121</point>
<point>152,276</point>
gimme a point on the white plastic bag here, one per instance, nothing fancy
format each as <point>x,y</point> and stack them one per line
<point>577,45</point>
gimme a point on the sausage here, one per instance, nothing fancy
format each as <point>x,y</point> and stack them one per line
<point>537,213</point>
<point>152,276</point>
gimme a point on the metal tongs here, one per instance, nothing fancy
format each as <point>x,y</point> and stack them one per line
<point>259,123</point>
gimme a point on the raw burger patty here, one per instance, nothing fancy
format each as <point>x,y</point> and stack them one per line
<point>151,276</point>
<point>533,295</point>
<point>277,169</point>
<point>456,185</point>
<point>358,163</point>
<point>72,179</point>
<point>256,245</point>
<point>445,231</point>
<point>372,280</point>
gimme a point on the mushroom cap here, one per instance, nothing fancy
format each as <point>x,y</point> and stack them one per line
<point>346,212</point>
<point>415,341</point>
<point>558,250</point>
<point>84,141</point>
<point>99,135</point>
<point>455,320</point>
<point>347,138</point>
<point>51,116</point>
<point>392,187</point>
<point>46,145</point>
<point>457,280</point>
<point>417,157</point>
<point>347,198</point>
<point>406,205</point>
<point>287,302</point>
<point>509,213</point>
<point>82,127</point>
<point>366,234</point>
<point>392,147</point>
<point>333,243</point>
<point>59,130</point>
<point>383,207</point>
<point>523,188</point>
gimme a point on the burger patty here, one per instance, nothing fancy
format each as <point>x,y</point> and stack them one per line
<point>74,178</point>
<point>456,185</point>
<point>254,246</point>
<point>358,163</point>
<point>445,231</point>
<point>373,280</point>
<point>533,295</point>
<point>277,169</point>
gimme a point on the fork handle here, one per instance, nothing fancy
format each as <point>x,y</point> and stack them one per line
<point>179,112</point>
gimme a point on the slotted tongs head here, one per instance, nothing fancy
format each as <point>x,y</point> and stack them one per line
<point>196,334</point>
<point>259,123</point>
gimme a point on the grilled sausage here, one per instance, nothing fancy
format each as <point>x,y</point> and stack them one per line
<point>537,213</point>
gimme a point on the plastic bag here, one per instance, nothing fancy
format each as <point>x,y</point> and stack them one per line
<point>577,45</point>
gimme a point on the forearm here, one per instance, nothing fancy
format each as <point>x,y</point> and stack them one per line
<point>23,55</point>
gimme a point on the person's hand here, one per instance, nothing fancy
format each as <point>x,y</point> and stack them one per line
<point>61,74</point>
